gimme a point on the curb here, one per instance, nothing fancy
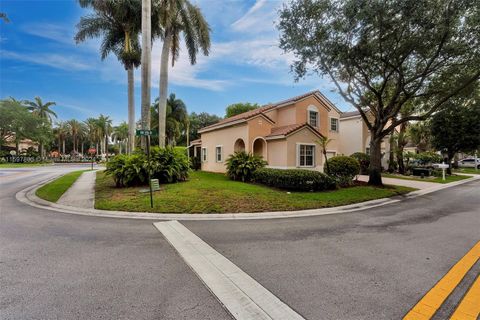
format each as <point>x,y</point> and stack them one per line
<point>27,196</point>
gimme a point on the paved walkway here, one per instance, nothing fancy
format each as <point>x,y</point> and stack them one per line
<point>406,183</point>
<point>81,193</point>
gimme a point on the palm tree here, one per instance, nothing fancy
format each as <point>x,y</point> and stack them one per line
<point>93,133</point>
<point>62,131</point>
<point>105,129</point>
<point>4,17</point>
<point>74,127</point>
<point>43,111</point>
<point>146,64</point>
<point>120,133</point>
<point>177,17</point>
<point>119,23</point>
<point>323,143</point>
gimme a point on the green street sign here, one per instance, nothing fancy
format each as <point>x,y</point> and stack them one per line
<point>141,132</point>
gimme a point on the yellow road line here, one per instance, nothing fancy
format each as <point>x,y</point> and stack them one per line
<point>431,302</point>
<point>469,307</point>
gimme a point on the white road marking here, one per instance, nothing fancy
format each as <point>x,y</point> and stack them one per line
<point>241,295</point>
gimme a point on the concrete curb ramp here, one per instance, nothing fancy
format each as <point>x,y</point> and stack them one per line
<point>28,196</point>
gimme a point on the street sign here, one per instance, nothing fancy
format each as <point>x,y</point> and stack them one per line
<point>142,132</point>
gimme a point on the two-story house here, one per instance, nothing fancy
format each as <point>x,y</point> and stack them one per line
<point>283,133</point>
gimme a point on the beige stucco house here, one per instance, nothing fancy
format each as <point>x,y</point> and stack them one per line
<point>355,136</point>
<point>283,133</point>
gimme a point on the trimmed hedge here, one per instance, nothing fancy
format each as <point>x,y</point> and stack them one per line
<point>294,179</point>
<point>363,159</point>
<point>344,169</point>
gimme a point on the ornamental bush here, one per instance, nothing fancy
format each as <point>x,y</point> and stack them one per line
<point>363,159</point>
<point>294,179</point>
<point>127,170</point>
<point>242,165</point>
<point>167,165</point>
<point>343,169</point>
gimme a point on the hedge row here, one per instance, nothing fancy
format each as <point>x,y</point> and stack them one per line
<point>294,179</point>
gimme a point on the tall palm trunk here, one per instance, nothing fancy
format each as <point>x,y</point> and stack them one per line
<point>63,146</point>
<point>146,64</point>
<point>131,111</point>
<point>163,88</point>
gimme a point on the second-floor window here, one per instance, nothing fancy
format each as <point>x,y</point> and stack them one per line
<point>334,124</point>
<point>313,118</point>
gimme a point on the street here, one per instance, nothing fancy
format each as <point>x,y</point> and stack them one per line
<point>372,264</point>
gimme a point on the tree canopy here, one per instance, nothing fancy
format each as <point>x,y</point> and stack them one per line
<point>382,55</point>
<point>240,107</point>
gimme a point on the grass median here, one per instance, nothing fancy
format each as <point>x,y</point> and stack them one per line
<point>214,193</point>
<point>52,191</point>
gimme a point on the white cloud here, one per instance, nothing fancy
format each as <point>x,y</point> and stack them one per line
<point>50,31</point>
<point>260,17</point>
<point>58,61</point>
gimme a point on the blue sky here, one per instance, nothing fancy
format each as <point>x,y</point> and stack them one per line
<point>38,57</point>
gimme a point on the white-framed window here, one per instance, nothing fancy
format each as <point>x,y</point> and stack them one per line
<point>204,154</point>
<point>313,118</point>
<point>334,124</point>
<point>219,153</point>
<point>306,155</point>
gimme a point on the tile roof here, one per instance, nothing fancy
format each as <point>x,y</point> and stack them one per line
<point>261,110</point>
<point>286,130</point>
<point>241,116</point>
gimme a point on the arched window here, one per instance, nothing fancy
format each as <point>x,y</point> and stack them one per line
<point>313,118</point>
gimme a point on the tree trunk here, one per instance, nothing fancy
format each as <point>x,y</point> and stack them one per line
<point>326,161</point>
<point>106,148</point>
<point>400,146</point>
<point>17,147</point>
<point>163,88</point>
<point>146,65</point>
<point>82,148</point>
<point>96,149</point>
<point>450,156</point>
<point>188,134</point>
<point>131,111</point>
<point>41,150</point>
<point>63,146</point>
<point>391,154</point>
<point>375,168</point>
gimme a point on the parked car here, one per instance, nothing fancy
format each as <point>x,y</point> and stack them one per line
<point>469,163</point>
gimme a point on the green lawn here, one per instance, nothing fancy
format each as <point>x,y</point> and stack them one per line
<point>215,193</point>
<point>448,178</point>
<point>467,170</point>
<point>53,191</point>
<point>23,165</point>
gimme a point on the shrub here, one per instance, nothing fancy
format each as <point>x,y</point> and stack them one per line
<point>127,170</point>
<point>294,179</point>
<point>169,164</point>
<point>242,165</point>
<point>343,169</point>
<point>428,157</point>
<point>364,160</point>
<point>196,163</point>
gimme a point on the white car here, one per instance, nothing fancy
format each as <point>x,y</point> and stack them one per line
<point>469,163</point>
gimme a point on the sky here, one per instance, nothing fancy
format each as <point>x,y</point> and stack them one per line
<point>38,57</point>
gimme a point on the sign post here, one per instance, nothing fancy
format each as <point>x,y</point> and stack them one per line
<point>147,134</point>
<point>443,166</point>
<point>92,151</point>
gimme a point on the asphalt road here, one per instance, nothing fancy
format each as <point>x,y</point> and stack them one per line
<point>61,266</point>
<point>372,264</point>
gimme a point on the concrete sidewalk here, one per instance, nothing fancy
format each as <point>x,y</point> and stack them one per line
<point>405,183</point>
<point>82,193</point>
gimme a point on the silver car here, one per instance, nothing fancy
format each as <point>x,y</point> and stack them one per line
<point>469,163</point>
